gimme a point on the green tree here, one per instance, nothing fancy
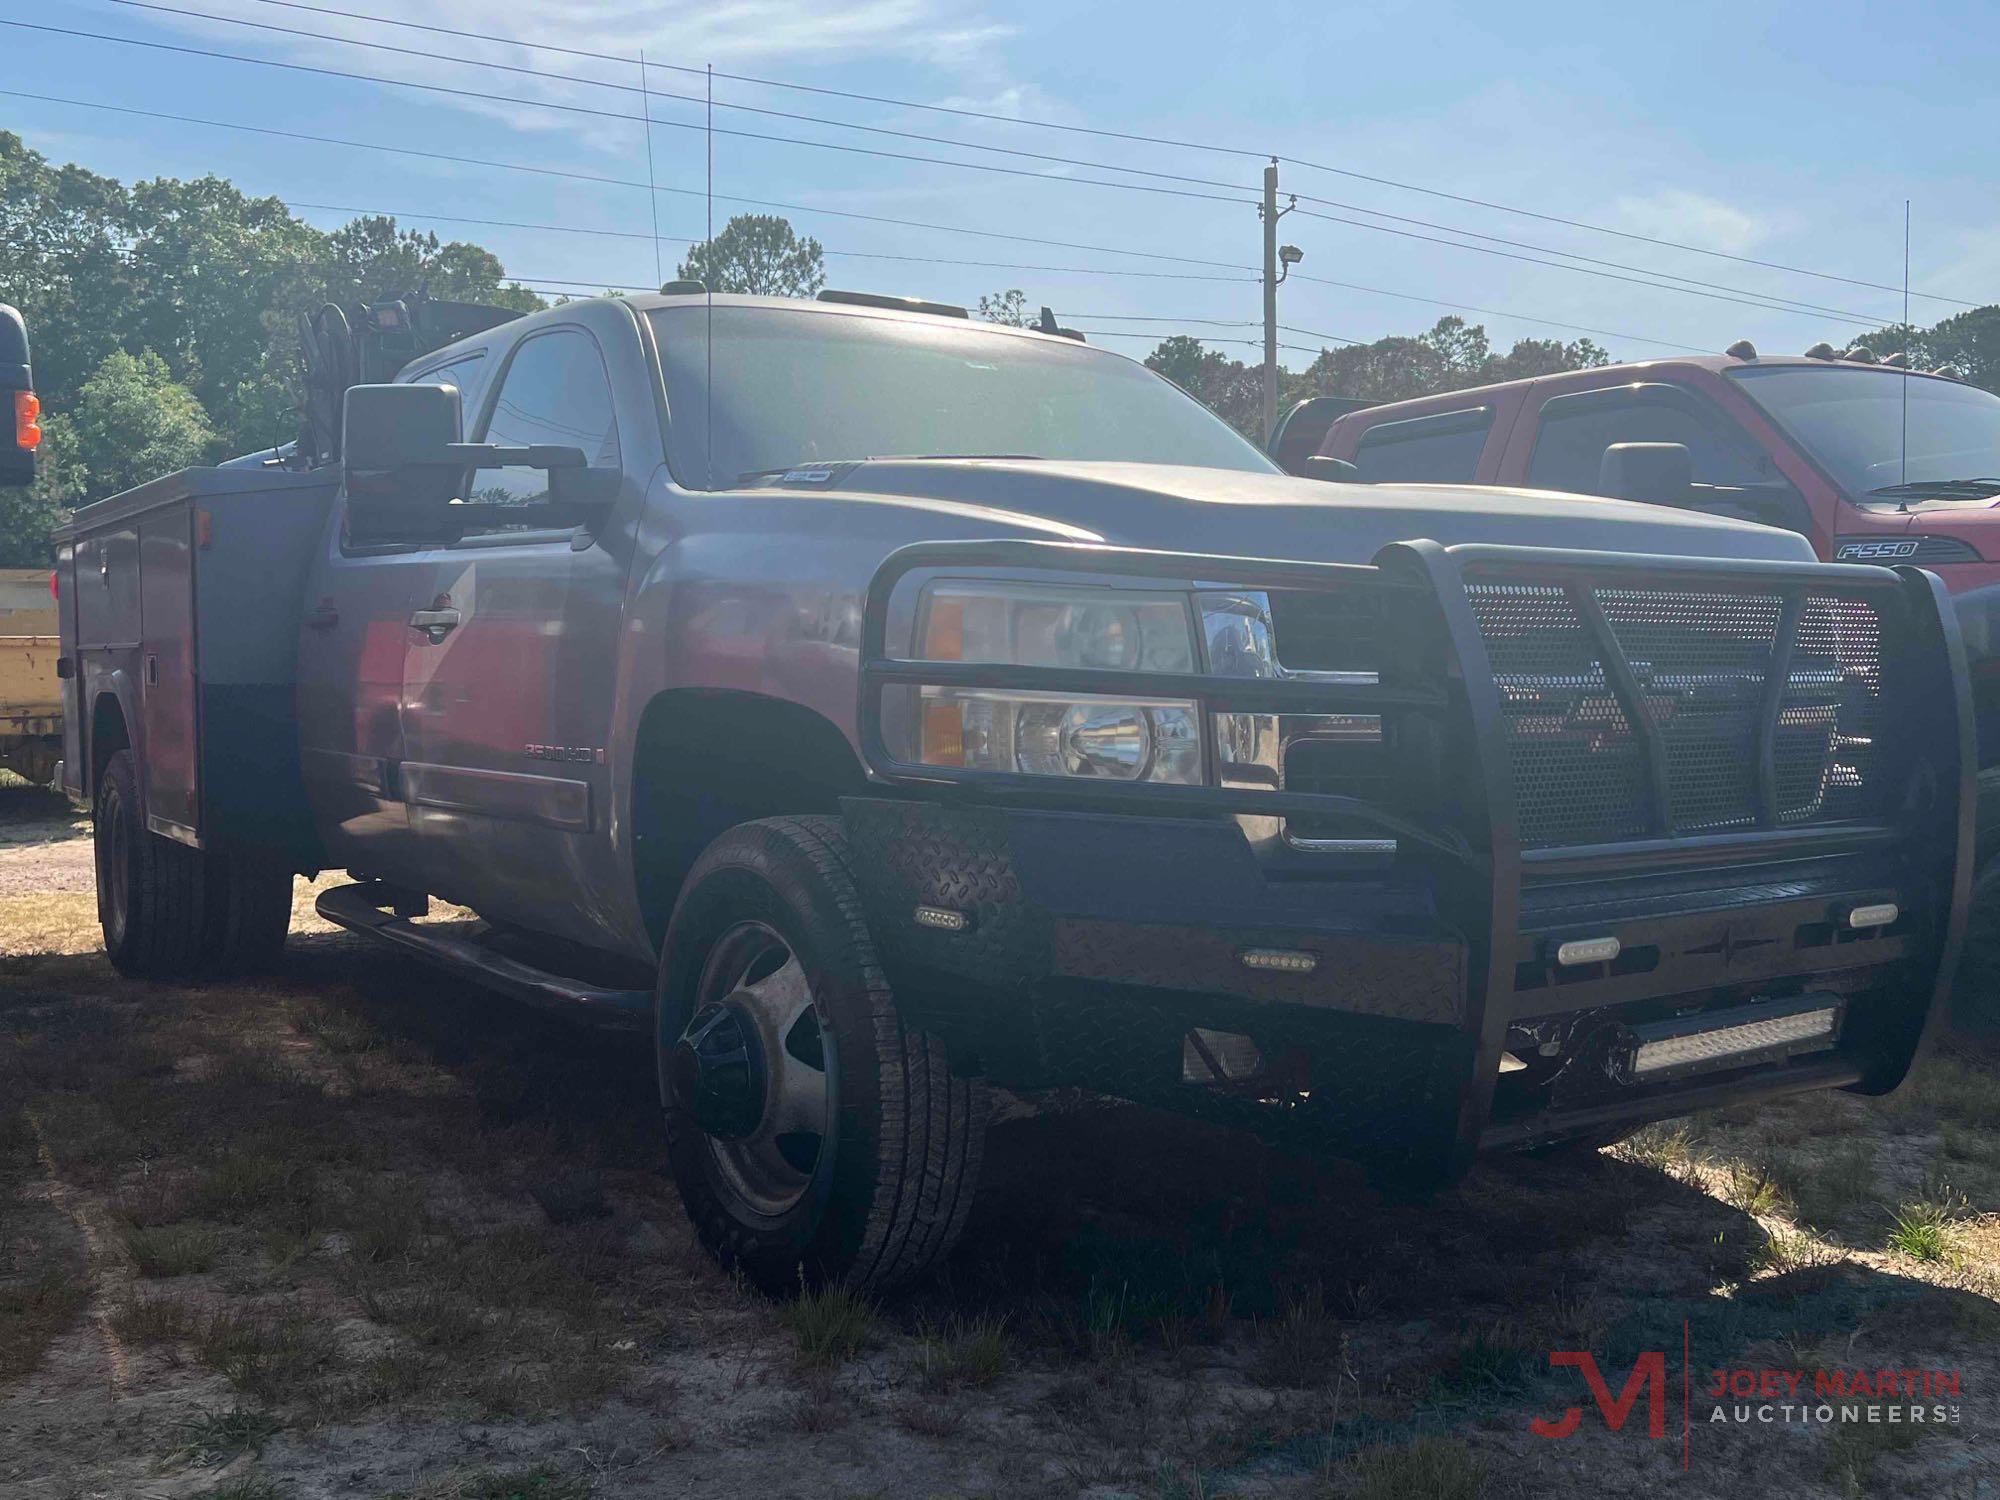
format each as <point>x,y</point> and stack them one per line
<point>30,515</point>
<point>1231,389</point>
<point>759,255</point>
<point>64,234</point>
<point>217,275</point>
<point>1967,343</point>
<point>1009,307</point>
<point>133,422</point>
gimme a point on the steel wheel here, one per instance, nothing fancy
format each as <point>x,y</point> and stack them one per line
<point>755,1068</point>
<point>113,840</point>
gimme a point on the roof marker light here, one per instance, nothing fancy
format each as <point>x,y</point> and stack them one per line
<point>1741,349</point>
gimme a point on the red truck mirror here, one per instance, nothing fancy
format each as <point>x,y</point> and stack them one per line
<point>1656,473</point>
<point>20,409</point>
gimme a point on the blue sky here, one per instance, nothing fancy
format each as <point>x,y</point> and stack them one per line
<point>1789,133</point>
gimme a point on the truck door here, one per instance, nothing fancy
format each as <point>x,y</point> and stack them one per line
<point>354,634</point>
<point>1732,475</point>
<point>508,679</point>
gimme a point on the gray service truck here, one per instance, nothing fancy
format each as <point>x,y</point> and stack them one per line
<point>870,706</point>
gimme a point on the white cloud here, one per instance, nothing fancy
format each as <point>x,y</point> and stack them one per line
<point>1691,218</point>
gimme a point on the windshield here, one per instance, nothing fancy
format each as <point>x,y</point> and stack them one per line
<point>1851,421</point>
<point>797,387</point>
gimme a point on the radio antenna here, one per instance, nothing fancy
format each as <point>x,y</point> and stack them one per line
<point>652,189</point>
<point>1904,476</point>
<point>708,291</point>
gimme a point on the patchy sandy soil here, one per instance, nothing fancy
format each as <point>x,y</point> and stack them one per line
<point>356,1231</point>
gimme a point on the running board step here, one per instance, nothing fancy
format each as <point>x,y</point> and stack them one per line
<point>364,908</point>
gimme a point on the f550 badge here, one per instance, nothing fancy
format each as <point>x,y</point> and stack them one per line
<point>1874,551</point>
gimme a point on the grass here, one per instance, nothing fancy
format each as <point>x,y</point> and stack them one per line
<point>1302,1347</point>
<point>1922,1231</point>
<point>1431,1468</point>
<point>35,1315</point>
<point>274,1357</point>
<point>964,1353</point>
<point>1787,1250</point>
<point>173,1249</point>
<point>249,1487</point>
<point>153,1320</point>
<point>1858,1447</point>
<point>215,1437</point>
<point>541,1483</point>
<point>831,1325</point>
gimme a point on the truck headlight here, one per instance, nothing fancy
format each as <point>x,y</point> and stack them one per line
<point>1116,737</point>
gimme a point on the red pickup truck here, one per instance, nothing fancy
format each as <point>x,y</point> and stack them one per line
<point>1817,445</point>
<point>1870,461</point>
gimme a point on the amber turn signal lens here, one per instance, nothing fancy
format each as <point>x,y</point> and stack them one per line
<point>27,424</point>
<point>944,631</point>
<point>944,733</point>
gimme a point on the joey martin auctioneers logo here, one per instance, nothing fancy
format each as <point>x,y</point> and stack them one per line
<point>1746,1396</point>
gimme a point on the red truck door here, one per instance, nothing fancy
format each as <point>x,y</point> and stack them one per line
<point>1563,431</point>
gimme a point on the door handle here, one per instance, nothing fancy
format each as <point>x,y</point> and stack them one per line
<point>436,624</point>
<point>323,618</point>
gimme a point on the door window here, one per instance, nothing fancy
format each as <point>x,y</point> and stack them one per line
<point>1442,449</point>
<point>1569,449</point>
<point>468,374</point>
<point>555,391</point>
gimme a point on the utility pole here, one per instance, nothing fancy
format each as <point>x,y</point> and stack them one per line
<point>1278,262</point>
<point>1270,215</point>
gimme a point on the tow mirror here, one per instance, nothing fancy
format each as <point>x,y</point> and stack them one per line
<point>1335,470</point>
<point>396,442</point>
<point>1654,473</point>
<point>20,410</point>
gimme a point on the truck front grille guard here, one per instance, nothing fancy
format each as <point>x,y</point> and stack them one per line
<point>1469,713</point>
<point>1616,710</point>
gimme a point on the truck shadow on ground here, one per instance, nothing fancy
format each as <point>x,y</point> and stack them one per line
<point>1125,1258</point>
<point>1101,1223</point>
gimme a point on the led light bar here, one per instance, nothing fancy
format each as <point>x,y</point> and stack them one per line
<point>1279,960</point>
<point>1732,1039</point>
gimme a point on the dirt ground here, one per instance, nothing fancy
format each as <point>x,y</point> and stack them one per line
<point>352,1230</point>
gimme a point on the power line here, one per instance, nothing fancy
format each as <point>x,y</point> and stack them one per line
<point>1659,286</point>
<point>1623,234</point>
<point>603,83</point>
<point>1586,259</point>
<point>603,181</point>
<point>1107,134</point>
<point>776,83</point>
<point>610,114</point>
<point>1802,310</point>
<point>1692,287</point>
<point>1494,312</point>
<point>683,239</point>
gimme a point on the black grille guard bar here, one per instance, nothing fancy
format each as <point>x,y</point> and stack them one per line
<point>1436,666</point>
<point>1431,580</point>
<point>1214,695</point>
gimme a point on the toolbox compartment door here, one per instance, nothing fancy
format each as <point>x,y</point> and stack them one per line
<point>167,674</point>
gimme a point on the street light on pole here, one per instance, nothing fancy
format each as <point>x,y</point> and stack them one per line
<point>1277,265</point>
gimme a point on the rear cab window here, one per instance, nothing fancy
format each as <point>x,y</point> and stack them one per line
<point>1440,449</point>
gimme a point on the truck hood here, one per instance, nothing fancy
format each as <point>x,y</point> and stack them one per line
<point>1275,515</point>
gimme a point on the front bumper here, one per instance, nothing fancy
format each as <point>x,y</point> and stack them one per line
<point>1118,938</point>
<point>1105,951</point>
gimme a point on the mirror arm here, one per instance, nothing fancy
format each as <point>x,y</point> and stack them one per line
<point>500,456</point>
